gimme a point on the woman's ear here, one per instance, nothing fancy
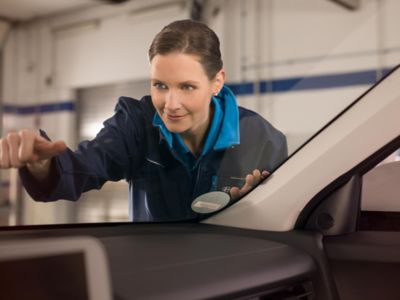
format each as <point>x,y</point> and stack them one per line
<point>219,81</point>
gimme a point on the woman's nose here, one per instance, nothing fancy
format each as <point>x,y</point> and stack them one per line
<point>172,102</point>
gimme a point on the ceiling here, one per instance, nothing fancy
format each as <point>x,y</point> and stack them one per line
<point>23,10</point>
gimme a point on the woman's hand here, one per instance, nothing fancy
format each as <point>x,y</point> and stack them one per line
<point>251,181</point>
<point>27,148</point>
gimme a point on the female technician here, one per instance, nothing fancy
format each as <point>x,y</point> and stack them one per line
<point>186,139</point>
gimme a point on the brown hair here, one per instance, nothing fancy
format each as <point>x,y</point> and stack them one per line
<point>189,37</point>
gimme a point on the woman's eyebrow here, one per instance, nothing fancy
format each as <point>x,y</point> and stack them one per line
<point>190,82</point>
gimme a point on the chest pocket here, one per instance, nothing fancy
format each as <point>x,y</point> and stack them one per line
<point>152,168</point>
<point>166,188</point>
<point>163,179</point>
<point>151,178</point>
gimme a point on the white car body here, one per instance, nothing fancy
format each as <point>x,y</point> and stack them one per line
<point>365,127</point>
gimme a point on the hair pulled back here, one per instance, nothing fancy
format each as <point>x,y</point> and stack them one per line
<point>189,37</point>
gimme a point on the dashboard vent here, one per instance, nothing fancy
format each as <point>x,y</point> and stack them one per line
<point>300,291</point>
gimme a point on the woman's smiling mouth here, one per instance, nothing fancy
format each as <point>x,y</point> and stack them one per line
<point>174,117</point>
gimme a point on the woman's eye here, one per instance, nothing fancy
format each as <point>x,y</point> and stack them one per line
<point>188,87</point>
<point>160,86</point>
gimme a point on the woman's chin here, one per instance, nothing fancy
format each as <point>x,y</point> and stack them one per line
<point>175,128</point>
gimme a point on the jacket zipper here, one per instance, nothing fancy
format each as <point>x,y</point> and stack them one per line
<point>154,162</point>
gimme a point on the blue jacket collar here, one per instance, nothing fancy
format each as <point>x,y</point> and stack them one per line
<point>229,133</point>
<point>165,133</point>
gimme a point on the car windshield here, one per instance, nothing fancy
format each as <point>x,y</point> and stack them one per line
<point>157,128</point>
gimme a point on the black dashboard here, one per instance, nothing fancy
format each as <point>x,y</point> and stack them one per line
<point>198,261</point>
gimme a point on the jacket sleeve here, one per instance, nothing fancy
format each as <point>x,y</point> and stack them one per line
<point>111,155</point>
<point>261,147</point>
<point>275,148</point>
<point>267,148</point>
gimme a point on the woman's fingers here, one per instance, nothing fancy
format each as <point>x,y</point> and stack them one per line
<point>264,174</point>
<point>251,181</point>
<point>235,192</point>
<point>4,154</point>
<point>13,141</point>
<point>257,176</point>
<point>20,148</point>
<point>26,153</point>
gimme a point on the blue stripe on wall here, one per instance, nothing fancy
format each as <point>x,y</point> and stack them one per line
<point>42,108</point>
<point>368,77</point>
<point>309,83</point>
<point>244,88</point>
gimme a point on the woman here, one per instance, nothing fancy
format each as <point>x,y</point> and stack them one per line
<point>186,139</point>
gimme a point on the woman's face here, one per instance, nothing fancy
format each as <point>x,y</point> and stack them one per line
<point>181,92</point>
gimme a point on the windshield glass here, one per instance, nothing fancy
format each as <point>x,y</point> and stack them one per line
<point>141,114</point>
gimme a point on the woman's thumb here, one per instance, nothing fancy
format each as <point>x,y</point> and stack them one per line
<point>59,147</point>
<point>46,149</point>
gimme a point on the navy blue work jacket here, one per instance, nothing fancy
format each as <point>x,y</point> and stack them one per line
<point>161,188</point>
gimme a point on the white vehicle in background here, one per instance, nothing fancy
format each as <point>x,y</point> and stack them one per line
<point>304,233</point>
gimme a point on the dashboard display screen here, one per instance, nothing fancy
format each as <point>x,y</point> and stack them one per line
<point>44,277</point>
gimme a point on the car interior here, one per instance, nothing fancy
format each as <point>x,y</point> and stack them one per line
<point>335,251</point>
<point>345,242</point>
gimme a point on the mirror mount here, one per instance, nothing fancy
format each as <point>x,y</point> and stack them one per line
<point>338,213</point>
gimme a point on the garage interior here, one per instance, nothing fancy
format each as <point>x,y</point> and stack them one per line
<point>298,63</point>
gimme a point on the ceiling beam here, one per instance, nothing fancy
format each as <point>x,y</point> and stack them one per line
<point>349,4</point>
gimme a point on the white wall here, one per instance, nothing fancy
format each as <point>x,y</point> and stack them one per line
<point>92,48</point>
<point>110,50</point>
<point>46,60</point>
<point>282,39</point>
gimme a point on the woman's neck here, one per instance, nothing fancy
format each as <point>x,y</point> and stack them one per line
<point>195,140</point>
